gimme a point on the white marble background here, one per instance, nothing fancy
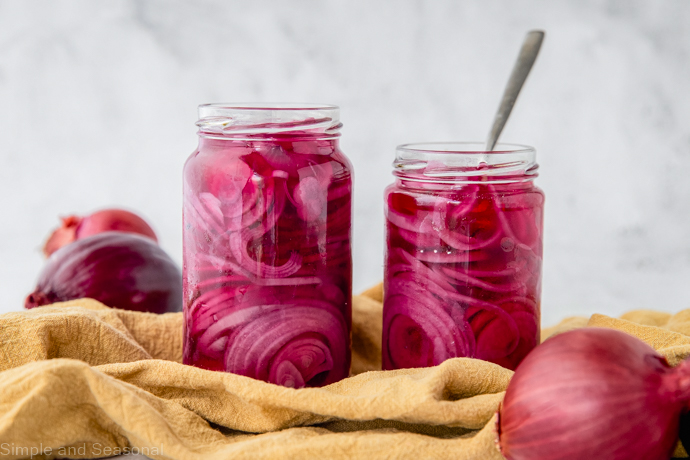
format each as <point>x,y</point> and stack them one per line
<point>98,103</point>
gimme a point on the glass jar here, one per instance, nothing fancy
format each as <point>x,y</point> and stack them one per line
<point>267,259</point>
<point>463,257</point>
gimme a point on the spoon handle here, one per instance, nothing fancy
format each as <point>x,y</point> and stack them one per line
<point>523,65</point>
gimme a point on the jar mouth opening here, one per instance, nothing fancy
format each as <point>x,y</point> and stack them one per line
<point>264,106</point>
<point>465,162</point>
<point>252,119</point>
<point>463,148</point>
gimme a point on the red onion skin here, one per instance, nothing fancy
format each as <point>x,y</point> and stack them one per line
<point>121,270</point>
<point>76,227</point>
<point>593,393</point>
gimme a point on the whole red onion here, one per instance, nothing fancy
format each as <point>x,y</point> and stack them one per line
<point>76,227</point>
<point>593,393</point>
<point>121,270</point>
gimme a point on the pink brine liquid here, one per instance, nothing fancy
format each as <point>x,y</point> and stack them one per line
<point>267,260</point>
<point>462,274</point>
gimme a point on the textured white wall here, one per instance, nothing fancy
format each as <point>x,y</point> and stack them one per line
<point>98,103</point>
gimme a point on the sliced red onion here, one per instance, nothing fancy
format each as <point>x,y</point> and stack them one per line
<point>254,349</point>
<point>268,264</point>
<point>311,193</point>
<point>496,332</point>
<point>238,246</point>
<point>420,334</point>
<point>459,276</point>
<point>299,361</point>
<point>444,255</point>
<point>228,180</point>
<point>465,249</point>
<point>521,217</point>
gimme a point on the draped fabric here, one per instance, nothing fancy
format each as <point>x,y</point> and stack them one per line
<point>82,380</point>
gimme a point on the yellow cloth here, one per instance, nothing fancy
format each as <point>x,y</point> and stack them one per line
<point>81,380</point>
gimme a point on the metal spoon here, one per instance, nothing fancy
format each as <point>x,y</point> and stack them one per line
<point>528,54</point>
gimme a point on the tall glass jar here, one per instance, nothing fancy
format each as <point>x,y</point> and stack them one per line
<point>464,255</point>
<point>267,260</point>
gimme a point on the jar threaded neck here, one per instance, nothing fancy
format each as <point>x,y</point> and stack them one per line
<point>465,162</point>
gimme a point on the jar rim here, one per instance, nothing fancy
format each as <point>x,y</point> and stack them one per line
<point>465,148</point>
<point>263,106</point>
<point>266,119</point>
<point>465,162</point>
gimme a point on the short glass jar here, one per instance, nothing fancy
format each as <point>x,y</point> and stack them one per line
<point>267,259</point>
<point>464,255</point>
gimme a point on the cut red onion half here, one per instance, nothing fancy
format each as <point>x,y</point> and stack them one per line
<point>268,261</point>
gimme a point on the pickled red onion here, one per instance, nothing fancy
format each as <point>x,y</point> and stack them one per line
<point>269,263</point>
<point>473,253</point>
